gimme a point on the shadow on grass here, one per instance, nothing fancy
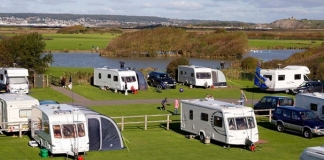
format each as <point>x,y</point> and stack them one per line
<point>258,90</point>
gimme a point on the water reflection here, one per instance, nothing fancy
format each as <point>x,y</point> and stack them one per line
<point>93,60</point>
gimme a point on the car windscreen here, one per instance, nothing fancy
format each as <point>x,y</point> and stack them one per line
<point>307,115</point>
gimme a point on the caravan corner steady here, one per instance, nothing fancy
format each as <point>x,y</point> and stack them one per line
<point>285,79</point>
<point>221,121</point>
<point>15,79</point>
<point>15,109</point>
<point>115,78</point>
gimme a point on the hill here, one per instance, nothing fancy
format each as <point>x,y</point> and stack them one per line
<point>293,23</point>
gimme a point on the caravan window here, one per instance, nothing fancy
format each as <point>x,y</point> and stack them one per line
<point>24,113</point>
<point>251,122</point>
<point>109,76</point>
<point>281,77</point>
<point>46,127</point>
<point>313,107</point>
<point>204,116</point>
<point>322,109</point>
<point>203,75</point>
<point>192,74</point>
<point>99,75</point>
<point>297,76</point>
<point>191,114</point>
<point>241,123</point>
<point>68,130</point>
<point>231,124</point>
<point>57,131</point>
<point>115,78</point>
<point>129,79</point>
<point>218,121</point>
<point>268,76</point>
<point>1,77</point>
<point>17,80</point>
<point>181,72</point>
<point>81,132</point>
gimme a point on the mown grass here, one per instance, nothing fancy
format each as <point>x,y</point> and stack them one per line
<point>67,42</point>
<point>159,144</point>
<point>269,44</point>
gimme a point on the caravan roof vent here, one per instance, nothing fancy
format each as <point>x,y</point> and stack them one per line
<point>19,98</point>
<point>56,107</point>
<point>62,111</point>
<point>204,99</point>
<point>317,94</point>
<point>228,106</point>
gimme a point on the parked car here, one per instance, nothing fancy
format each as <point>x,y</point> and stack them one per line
<point>310,87</point>
<point>41,102</point>
<point>300,120</point>
<point>156,78</point>
<point>272,102</point>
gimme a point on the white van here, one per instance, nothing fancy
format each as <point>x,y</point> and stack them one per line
<point>313,101</point>
<point>16,79</point>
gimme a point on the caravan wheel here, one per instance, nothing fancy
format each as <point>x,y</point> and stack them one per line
<point>202,137</point>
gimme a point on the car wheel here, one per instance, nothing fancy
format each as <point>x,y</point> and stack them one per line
<point>174,87</point>
<point>307,133</point>
<point>202,137</point>
<point>280,127</point>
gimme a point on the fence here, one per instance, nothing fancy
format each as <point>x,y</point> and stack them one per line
<point>145,122</point>
<point>264,110</point>
<point>23,126</point>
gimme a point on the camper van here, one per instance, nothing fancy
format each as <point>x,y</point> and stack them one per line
<point>220,121</point>
<point>15,109</point>
<point>60,128</point>
<point>107,78</point>
<point>313,101</point>
<point>15,79</point>
<point>313,153</point>
<point>195,76</point>
<point>286,79</point>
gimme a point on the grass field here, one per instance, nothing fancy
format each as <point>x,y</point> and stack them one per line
<point>159,144</point>
<point>268,44</point>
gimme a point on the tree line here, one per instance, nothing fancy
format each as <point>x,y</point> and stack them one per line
<point>25,51</point>
<point>169,41</point>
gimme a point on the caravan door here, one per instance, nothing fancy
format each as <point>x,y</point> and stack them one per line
<point>214,77</point>
<point>217,122</point>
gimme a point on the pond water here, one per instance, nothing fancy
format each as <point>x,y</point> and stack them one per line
<point>93,60</point>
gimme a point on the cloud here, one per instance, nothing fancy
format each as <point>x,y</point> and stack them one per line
<point>182,5</point>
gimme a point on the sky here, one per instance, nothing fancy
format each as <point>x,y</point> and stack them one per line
<point>255,11</point>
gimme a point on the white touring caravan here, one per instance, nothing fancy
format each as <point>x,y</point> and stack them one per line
<point>15,109</point>
<point>285,79</point>
<point>195,76</point>
<point>221,121</point>
<point>313,153</point>
<point>313,101</point>
<point>60,128</point>
<point>107,78</point>
<point>16,79</point>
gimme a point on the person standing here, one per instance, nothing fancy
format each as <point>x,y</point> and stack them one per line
<point>126,88</point>
<point>122,64</point>
<point>164,101</point>
<point>243,97</point>
<point>176,106</point>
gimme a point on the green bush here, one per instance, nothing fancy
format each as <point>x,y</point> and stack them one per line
<point>172,67</point>
<point>249,63</point>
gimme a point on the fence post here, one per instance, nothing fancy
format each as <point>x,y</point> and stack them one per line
<point>168,119</point>
<point>269,115</point>
<point>145,122</point>
<point>20,128</point>
<point>122,123</point>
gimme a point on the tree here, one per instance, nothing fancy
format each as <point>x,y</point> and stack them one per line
<point>172,67</point>
<point>25,50</point>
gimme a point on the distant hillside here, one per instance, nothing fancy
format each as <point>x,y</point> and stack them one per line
<point>292,23</point>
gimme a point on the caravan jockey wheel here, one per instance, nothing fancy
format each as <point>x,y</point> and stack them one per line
<point>252,148</point>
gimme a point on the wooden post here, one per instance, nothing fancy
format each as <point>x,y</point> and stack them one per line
<point>20,130</point>
<point>269,115</point>
<point>168,119</point>
<point>145,122</point>
<point>122,123</point>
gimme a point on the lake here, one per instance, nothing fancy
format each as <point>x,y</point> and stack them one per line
<point>93,60</point>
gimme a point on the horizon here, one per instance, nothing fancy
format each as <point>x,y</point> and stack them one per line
<point>249,11</point>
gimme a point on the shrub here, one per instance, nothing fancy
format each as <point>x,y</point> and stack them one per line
<point>249,63</point>
<point>172,67</point>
